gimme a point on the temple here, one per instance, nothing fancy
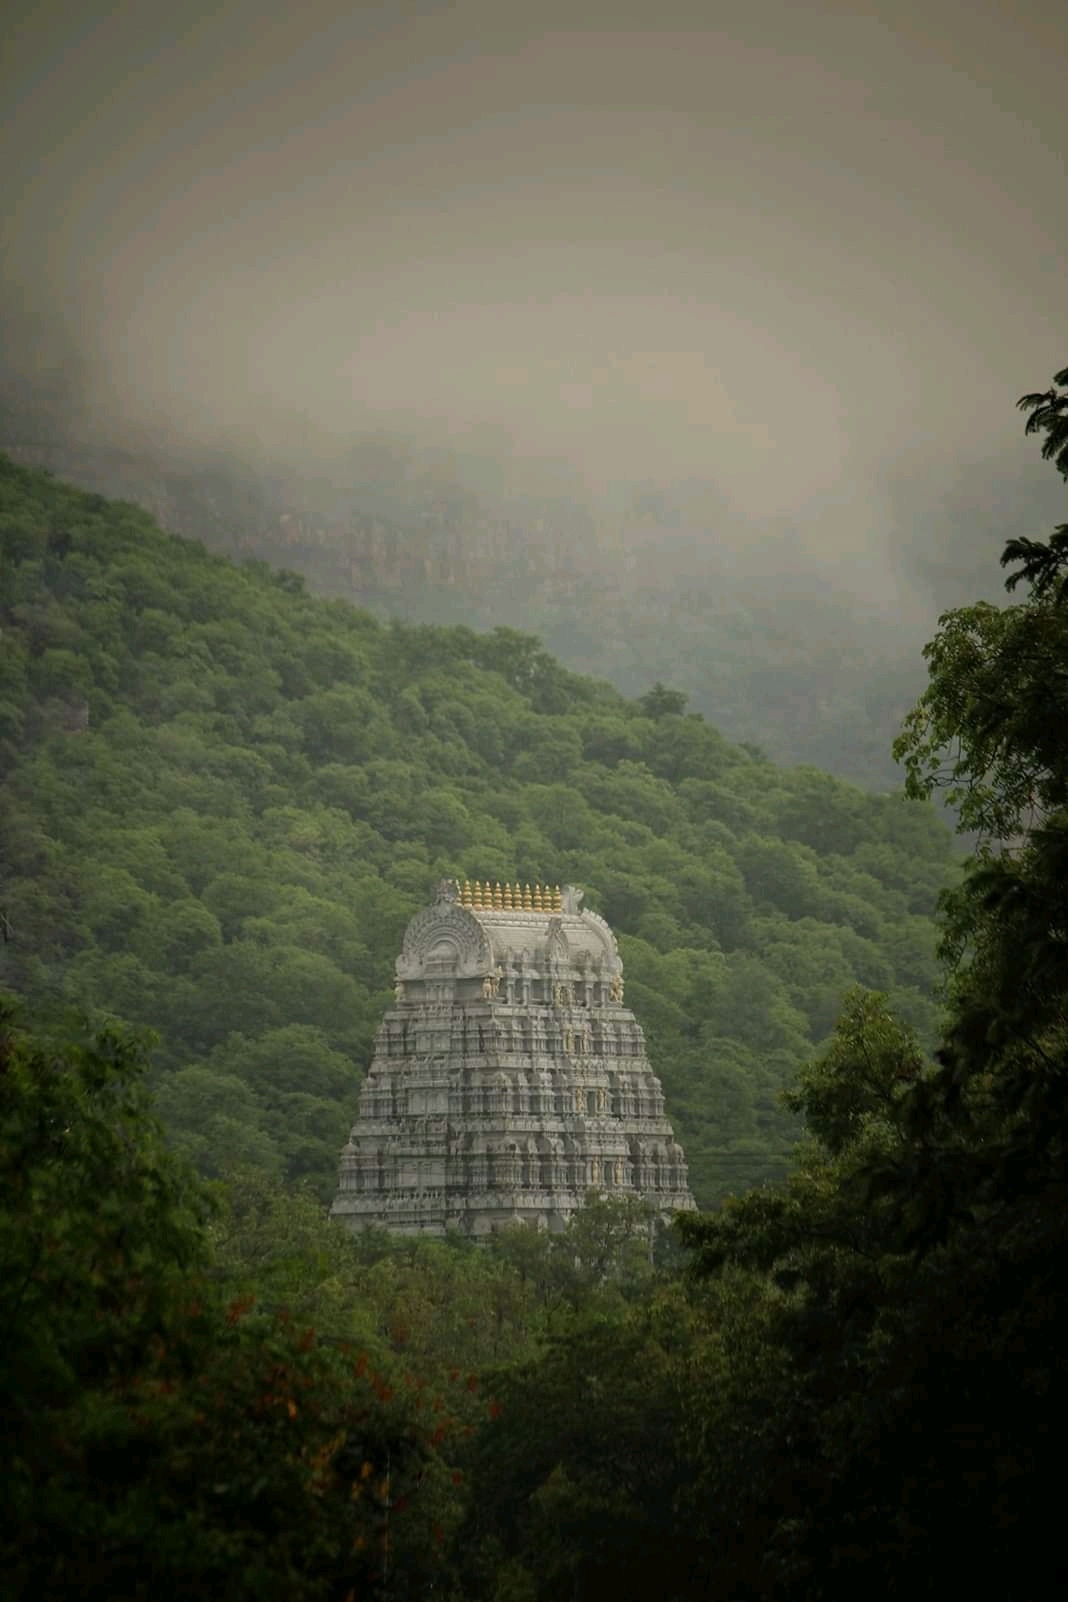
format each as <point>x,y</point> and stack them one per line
<point>509,1081</point>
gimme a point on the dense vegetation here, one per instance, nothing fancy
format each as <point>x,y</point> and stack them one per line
<point>223,799</point>
<point>847,1383</point>
<point>222,1394</point>
<point>772,645</point>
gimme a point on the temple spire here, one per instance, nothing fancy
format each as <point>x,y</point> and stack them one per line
<point>439,1144</point>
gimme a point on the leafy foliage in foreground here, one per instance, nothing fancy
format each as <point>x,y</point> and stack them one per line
<point>224,1394</point>
<point>948,1347</point>
<point>161,1438</point>
<point>223,799</point>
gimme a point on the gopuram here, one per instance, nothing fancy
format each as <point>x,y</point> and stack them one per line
<point>508,1079</point>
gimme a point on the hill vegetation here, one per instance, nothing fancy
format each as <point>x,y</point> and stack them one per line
<point>773,647</point>
<point>832,1385</point>
<point>223,798</point>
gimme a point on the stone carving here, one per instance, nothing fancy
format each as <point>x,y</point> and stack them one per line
<point>453,929</point>
<point>473,1122</point>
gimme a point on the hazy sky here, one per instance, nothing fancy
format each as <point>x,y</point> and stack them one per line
<point>783,245</point>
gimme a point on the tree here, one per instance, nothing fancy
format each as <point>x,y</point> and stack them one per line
<point>99,1226</point>
<point>156,1433</point>
<point>660,702</point>
<point>1049,415</point>
<point>998,700</point>
<point>576,1485</point>
<point>919,1250</point>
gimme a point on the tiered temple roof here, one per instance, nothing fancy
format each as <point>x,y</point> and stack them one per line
<point>508,1080</point>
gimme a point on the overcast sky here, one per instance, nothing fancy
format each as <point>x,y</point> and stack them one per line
<point>784,245</point>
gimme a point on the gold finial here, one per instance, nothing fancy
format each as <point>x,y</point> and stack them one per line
<point>528,901</point>
<point>508,898</point>
<point>498,896</point>
<point>537,898</point>
<point>465,894</point>
<point>558,899</point>
<point>476,894</point>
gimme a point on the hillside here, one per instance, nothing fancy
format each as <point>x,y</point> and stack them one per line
<point>662,587</point>
<point>223,798</point>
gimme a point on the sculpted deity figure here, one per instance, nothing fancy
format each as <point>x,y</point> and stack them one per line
<point>615,989</point>
<point>490,986</point>
<point>398,990</point>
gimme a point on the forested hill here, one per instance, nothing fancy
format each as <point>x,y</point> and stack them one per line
<point>223,798</point>
<point>765,643</point>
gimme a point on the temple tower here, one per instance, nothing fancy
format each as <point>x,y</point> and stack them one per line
<point>508,1079</point>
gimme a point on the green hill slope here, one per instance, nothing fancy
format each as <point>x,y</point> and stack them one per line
<point>223,798</point>
<point>661,587</point>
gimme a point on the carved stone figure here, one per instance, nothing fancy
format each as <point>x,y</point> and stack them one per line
<point>473,1122</point>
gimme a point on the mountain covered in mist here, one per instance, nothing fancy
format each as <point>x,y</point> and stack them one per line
<point>223,798</point>
<point>654,585</point>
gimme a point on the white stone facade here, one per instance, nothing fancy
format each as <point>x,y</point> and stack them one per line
<point>508,1080</point>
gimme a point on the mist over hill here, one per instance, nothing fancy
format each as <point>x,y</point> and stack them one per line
<point>811,659</point>
<point>688,343</point>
